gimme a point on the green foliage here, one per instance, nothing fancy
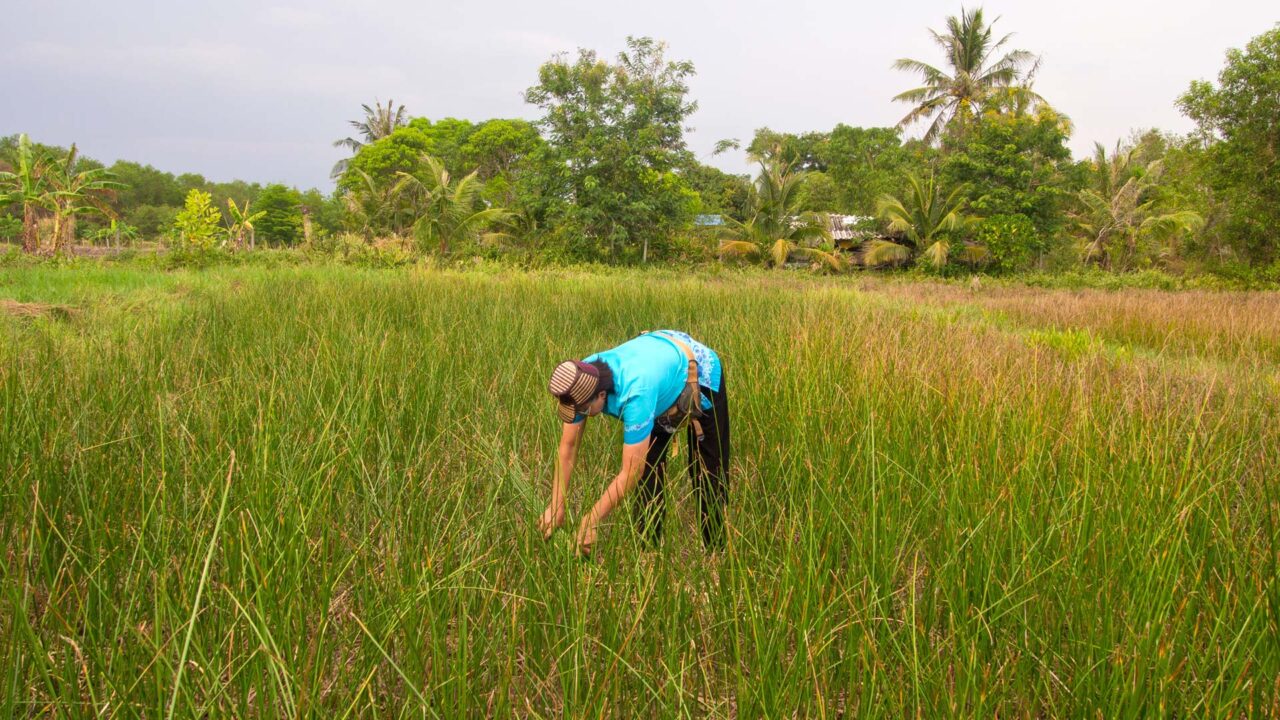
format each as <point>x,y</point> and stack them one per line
<point>1011,241</point>
<point>1239,121</point>
<point>977,80</point>
<point>777,228</point>
<point>819,193</point>
<point>1120,220</point>
<point>197,227</point>
<point>378,123</point>
<point>1013,164</point>
<point>382,160</point>
<point>619,132</point>
<point>719,192</point>
<point>10,227</point>
<point>449,212</point>
<point>151,220</point>
<point>281,216</point>
<point>866,163</point>
<point>929,219</point>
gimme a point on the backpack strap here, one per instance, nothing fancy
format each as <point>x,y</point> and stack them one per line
<point>689,403</point>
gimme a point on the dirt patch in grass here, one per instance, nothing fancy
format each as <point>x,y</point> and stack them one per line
<point>35,310</point>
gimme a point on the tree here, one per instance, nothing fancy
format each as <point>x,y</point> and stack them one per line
<point>1118,219</point>
<point>928,219</point>
<point>196,226</point>
<point>240,224</point>
<point>1239,124</point>
<point>77,188</point>
<point>502,152</point>
<point>449,212</point>
<point>27,185</point>
<point>976,78</point>
<point>719,193</point>
<point>281,210</point>
<point>866,163</point>
<point>1013,164</point>
<point>619,129</point>
<point>378,122</point>
<point>776,228</point>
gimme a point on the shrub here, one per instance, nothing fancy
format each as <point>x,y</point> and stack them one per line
<point>1011,241</point>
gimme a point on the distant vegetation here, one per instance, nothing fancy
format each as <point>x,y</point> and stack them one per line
<point>605,176</point>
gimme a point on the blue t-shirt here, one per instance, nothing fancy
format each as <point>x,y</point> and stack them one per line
<point>649,373</point>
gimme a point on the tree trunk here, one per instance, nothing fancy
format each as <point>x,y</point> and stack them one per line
<point>253,240</point>
<point>306,225</point>
<point>30,240</point>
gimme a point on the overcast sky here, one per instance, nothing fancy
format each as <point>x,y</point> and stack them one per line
<point>259,90</point>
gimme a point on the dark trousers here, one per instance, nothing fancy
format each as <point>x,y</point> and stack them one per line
<point>708,469</point>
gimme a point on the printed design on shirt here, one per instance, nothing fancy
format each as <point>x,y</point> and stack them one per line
<point>640,425</point>
<point>700,353</point>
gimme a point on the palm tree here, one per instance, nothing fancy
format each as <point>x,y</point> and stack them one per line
<point>241,222</point>
<point>449,212</point>
<point>76,192</point>
<point>28,185</point>
<point>975,80</point>
<point>1118,219</point>
<point>378,123</point>
<point>775,228</point>
<point>927,220</point>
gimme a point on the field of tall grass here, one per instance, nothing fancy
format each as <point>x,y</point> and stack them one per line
<point>313,492</point>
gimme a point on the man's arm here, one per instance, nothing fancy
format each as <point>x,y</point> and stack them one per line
<point>633,459</point>
<point>566,454</point>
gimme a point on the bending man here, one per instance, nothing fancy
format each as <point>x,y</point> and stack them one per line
<point>653,383</point>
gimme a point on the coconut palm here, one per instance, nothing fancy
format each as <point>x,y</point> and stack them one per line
<point>974,77</point>
<point>240,224</point>
<point>74,192</point>
<point>926,219</point>
<point>28,185</point>
<point>775,229</point>
<point>449,212</point>
<point>1118,218</point>
<point>378,123</point>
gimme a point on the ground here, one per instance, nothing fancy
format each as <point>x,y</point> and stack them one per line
<point>272,492</point>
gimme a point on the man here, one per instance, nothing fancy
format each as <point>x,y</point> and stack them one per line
<point>650,384</point>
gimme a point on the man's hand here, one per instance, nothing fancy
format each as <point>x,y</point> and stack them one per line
<point>551,520</point>
<point>586,535</point>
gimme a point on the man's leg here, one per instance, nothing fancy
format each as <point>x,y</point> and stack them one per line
<point>709,466</point>
<point>649,506</point>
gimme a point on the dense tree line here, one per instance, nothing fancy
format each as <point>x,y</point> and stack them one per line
<point>605,174</point>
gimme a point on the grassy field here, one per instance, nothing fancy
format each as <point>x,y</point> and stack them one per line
<point>312,492</point>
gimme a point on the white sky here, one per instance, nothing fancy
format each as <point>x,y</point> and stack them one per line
<point>259,90</point>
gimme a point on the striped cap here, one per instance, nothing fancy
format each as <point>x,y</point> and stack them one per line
<point>574,383</point>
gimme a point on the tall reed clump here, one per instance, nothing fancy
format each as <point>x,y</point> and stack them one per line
<point>277,493</point>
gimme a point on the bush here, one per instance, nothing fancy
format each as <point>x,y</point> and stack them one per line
<point>1011,241</point>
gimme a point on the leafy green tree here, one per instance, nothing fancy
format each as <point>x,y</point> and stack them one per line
<point>502,152</point>
<point>280,208</point>
<point>1119,221</point>
<point>151,220</point>
<point>196,226</point>
<point>619,128</point>
<point>974,79</point>
<point>719,192</point>
<point>776,227</point>
<point>866,163</point>
<point>449,212</point>
<point>378,122</point>
<point>805,152</point>
<point>383,160</point>
<point>1239,123</point>
<point>819,193</point>
<point>929,219</point>
<point>1013,165</point>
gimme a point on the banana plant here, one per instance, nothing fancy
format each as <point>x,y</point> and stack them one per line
<point>240,224</point>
